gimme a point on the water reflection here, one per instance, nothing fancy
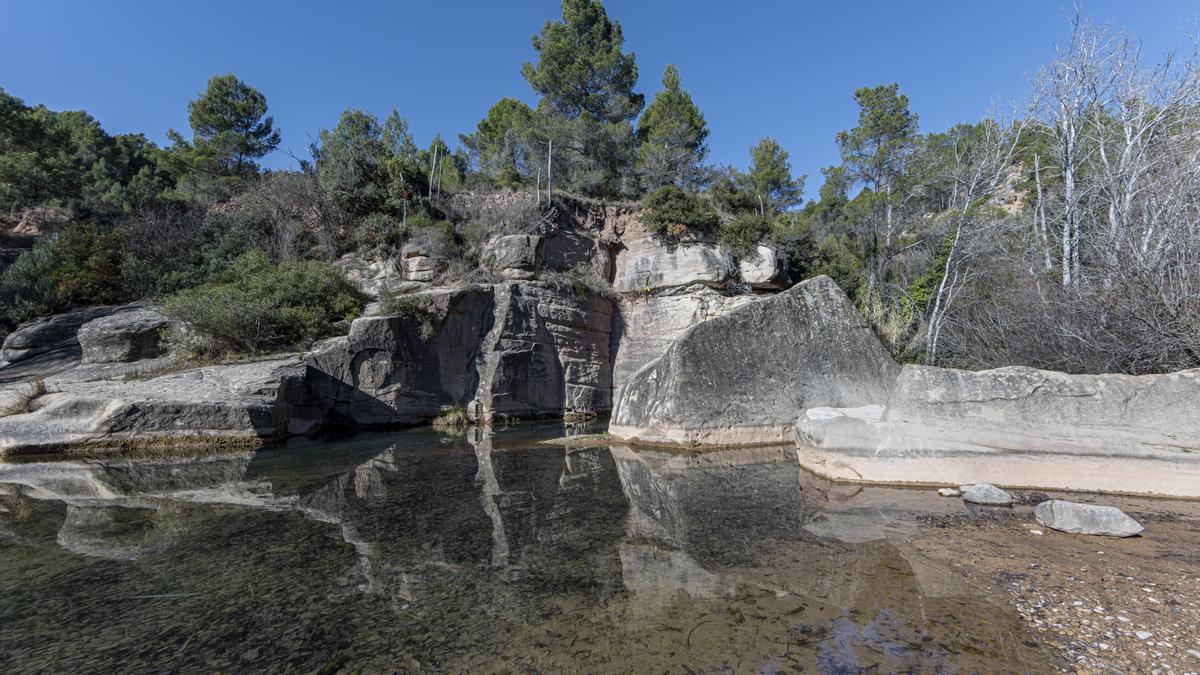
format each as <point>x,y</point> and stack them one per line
<point>485,552</point>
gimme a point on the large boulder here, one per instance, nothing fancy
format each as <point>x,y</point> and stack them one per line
<point>515,256</point>
<point>763,269</point>
<point>48,345</point>
<point>1086,519</point>
<point>654,266</point>
<point>124,337</point>
<point>742,378</point>
<point>1019,426</point>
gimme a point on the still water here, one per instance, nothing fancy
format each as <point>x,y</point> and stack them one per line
<point>415,552</point>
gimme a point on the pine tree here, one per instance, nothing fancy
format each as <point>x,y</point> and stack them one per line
<point>672,134</point>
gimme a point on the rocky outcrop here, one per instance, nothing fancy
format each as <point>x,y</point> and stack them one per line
<point>1075,518</point>
<point>652,267</point>
<point>506,351</point>
<point>123,337</point>
<point>403,370</point>
<point>418,264</point>
<point>1018,426</point>
<point>515,256</point>
<point>50,344</point>
<point>763,269</point>
<point>739,379</point>
<point>237,404</point>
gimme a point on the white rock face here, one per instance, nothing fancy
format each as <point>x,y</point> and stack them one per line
<point>1021,426</point>
<point>1086,519</point>
<point>651,267</point>
<point>986,494</point>
<point>763,269</point>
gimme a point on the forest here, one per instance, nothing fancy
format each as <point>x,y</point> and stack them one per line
<point>1060,231</point>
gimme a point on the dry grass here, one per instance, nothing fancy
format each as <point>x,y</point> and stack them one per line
<point>454,419</point>
<point>22,403</point>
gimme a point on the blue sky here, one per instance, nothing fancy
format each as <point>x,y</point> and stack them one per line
<point>782,69</point>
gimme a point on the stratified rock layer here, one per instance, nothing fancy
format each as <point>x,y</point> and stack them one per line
<point>740,378</point>
<point>1019,426</point>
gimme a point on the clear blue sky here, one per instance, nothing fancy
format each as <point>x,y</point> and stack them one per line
<point>782,69</point>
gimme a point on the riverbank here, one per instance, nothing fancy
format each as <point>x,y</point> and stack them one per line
<point>1106,605</point>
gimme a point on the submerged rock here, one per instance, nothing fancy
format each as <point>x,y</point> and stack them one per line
<point>742,378</point>
<point>1076,518</point>
<point>986,494</point>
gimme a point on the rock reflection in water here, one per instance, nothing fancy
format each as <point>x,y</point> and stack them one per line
<point>484,552</point>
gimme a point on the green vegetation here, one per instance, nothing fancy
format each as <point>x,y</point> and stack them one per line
<point>255,306</point>
<point>1061,239</point>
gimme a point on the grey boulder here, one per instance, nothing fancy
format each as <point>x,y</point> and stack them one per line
<point>516,256</point>
<point>1076,518</point>
<point>124,337</point>
<point>986,494</point>
<point>742,378</point>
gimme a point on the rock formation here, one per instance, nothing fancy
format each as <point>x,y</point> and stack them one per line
<point>739,379</point>
<point>1018,426</point>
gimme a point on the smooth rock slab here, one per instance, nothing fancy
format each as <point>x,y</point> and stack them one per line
<point>1077,518</point>
<point>986,494</point>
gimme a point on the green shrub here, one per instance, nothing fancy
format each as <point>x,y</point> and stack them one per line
<point>672,212</point>
<point>256,306</point>
<point>742,232</point>
<point>381,233</point>
<point>82,265</point>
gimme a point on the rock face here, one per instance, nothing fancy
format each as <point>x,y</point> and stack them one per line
<point>648,325</point>
<point>547,353</point>
<point>658,266</point>
<point>763,269</point>
<point>986,494</point>
<point>509,351</point>
<point>1020,426</point>
<point>1086,519</point>
<point>741,378</point>
<point>123,337</point>
<point>240,404</point>
<point>47,345</point>
<point>516,256</point>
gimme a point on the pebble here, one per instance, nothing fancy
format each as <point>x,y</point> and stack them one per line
<point>949,492</point>
<point>1037,532</point>
<point>1143,635</point>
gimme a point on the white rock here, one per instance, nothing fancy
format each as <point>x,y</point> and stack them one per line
<point>1037,532</point>
<point>1086,519</point>
<point>949,492</point>
<point>1143,635</point>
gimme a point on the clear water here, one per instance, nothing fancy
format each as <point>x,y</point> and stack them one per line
<point>416,552</point>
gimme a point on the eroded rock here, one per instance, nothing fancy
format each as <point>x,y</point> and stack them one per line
<point>763,269</point>
<point>515,256</point>
<point>650,267</point>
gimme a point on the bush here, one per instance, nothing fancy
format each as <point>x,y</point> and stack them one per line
<point>255,306</point>
<point>82,265</point>
<point>380,233</point>
<point>411,307</point>
<point>672,212</point>
<point>742,232</point>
